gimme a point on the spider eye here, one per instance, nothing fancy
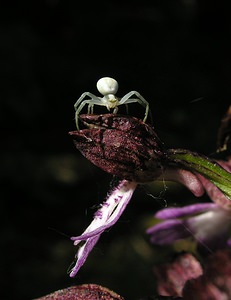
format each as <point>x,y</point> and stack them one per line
<point>107,85</point>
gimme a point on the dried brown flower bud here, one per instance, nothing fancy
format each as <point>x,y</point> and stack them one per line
<point>83,292</point>
<point>121,145</point>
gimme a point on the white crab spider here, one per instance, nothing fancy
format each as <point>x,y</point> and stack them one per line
<point>108,87</point>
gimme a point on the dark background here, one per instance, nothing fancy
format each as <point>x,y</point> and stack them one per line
<point>175,53</point>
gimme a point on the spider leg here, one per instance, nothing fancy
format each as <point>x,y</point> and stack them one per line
<point>126,108</point>
<point>81,102</point>
<point>90,108</point>
<point>81,98</point>
<point>91,102</point>
<point>140,99</point>
<point>78,110</point>
<point>115,110</point>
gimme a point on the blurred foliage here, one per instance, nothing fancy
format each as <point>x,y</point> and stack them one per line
<point>175,53</point>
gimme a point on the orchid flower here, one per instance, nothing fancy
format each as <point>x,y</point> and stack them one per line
<point>104,218</point>
<point>208,223</point>
<point>130,149</point>
<point>186,277</point>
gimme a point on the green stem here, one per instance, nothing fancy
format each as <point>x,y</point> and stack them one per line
<point>203,165</point>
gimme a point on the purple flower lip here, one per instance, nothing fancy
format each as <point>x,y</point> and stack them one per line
<point>179,212</point>
<point>108,214</point>
<point>121,145</point>
<point>207,223</point>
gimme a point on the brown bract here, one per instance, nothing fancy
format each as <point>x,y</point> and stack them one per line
<point>83,292</point>
<point>121,145</point>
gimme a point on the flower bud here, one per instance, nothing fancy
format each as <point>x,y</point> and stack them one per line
<point>121,145</point>
<point>84,292</point>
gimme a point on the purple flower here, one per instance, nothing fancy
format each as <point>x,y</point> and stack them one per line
<point>112,209</point>
<point>172,276</point>
<point>215,283</point>
<point>104,218</point>
<point>207,223</point>
<point>186,277</point>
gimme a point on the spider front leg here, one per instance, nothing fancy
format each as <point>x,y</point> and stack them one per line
<point>81,106</point>
<point>140,99</point>
<point>80,103</point>
<point>81,98</point>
